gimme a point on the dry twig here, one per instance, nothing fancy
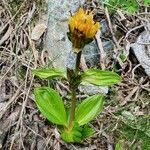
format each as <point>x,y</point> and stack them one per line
<point>102,52</point>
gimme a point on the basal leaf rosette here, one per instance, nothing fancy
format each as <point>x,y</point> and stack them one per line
<point>82,29</point>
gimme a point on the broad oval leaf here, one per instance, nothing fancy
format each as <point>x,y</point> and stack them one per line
<point>87,131</point>
<point>51,105</point>
<point>100,77</point>
<point>89,109</point>
<point>49,72</point>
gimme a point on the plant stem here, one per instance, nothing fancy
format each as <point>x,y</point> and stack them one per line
<point>73,106</point>
<point>73,92</point>
<point>77,63</point>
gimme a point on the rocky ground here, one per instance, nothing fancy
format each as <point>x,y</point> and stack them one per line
<point>33,34</point>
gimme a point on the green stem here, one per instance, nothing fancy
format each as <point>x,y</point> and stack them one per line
<point>77,65</point>
<point>73,106</point>
<point>73,92</point>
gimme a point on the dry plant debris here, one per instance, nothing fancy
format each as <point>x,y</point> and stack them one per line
<point>21,126</point>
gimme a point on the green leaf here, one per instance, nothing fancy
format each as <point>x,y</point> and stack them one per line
<point>89,109</point>
<point>77,133</point>
<point>49,73</point>
<point>51,105</point>
<point>87,131</point>
<point>131,9</point>
<point>73,135</point>
<point>147,2</point>
<point>130,6</point>
<point>119,145</point>
<point>100,77</point>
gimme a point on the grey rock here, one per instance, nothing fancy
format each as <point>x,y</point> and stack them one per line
<point>141,50</point>
<point>71,60</point>
<point>57,42</point>
<point>91,52</point>
<point>90,89</point>
<point>104,27</point>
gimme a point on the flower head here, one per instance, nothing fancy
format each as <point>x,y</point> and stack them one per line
<point>82,28</point>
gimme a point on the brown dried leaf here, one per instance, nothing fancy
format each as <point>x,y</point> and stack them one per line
<point>6,35</point>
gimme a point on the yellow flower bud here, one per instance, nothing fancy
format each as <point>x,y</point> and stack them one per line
<point>82,28</point>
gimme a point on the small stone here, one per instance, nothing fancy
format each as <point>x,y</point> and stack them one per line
<point>90,89</point>
<point>38,31</point>
<point>141,50</point>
